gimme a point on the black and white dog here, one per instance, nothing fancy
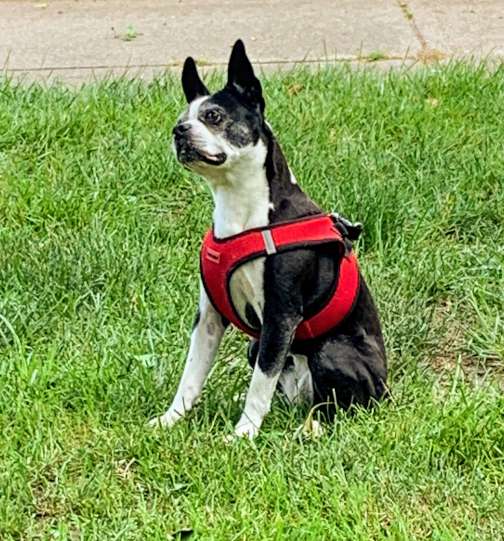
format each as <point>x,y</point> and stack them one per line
<point>225,138</point>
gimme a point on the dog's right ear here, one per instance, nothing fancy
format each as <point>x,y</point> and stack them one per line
<point>191,83</point>
<point>241,77</point>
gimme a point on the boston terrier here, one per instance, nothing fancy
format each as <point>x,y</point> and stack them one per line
<point>225,138</point>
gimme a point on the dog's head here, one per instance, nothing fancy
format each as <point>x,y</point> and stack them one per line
<point>221,133</point>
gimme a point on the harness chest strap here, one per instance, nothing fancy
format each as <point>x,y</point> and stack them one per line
<point>220,257</point>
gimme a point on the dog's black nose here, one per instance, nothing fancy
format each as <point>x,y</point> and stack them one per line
<point>181,128</point>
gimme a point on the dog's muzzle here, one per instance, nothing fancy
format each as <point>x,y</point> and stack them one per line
<point>187,152</point>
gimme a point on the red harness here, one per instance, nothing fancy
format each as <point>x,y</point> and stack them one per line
<point>219,258</point>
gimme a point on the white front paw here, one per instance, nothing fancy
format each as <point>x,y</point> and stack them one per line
<point>167,420</point>
<point>246,429</point>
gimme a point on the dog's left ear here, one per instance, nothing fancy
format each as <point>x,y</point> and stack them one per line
<point>192,85</point>
<point>241,77</point>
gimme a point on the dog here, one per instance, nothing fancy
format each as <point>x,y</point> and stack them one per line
<point>225,138</point>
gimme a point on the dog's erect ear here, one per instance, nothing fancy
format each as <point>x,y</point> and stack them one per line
<point>191,83</point>
<point>241,77</point>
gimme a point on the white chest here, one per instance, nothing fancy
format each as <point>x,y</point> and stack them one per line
<point>247,290</point>
<point>242,203</point>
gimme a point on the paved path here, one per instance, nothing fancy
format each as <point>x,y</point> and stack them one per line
<point>78,40</point>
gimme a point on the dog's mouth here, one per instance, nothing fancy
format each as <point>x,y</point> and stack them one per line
<point>188,154</point>
<point>211,159</point>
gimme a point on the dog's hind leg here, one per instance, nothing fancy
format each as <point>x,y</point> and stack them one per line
<point>295,381</point>
<point>253,350</point>
<point>349,370</point>
<point>205,340</point>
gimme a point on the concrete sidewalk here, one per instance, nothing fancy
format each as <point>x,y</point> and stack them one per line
<point>78,40</point>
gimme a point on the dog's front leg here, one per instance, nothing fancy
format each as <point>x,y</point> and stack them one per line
<point>276,338</point>
<point>205,339</point>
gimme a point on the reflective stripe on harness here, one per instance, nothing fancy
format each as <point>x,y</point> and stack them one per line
<point>220,257</point>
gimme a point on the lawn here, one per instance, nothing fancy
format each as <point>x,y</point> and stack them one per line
<point>99,236</point>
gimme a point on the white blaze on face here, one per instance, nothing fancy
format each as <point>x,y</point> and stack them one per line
<point>202,138</point>
<point>194,107</point>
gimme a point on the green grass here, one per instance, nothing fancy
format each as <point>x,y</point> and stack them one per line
<point>99,234</point>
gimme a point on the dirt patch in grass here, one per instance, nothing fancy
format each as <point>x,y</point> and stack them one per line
<point>450,353</point>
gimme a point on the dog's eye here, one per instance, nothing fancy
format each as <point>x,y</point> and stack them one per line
<point>213,117</point>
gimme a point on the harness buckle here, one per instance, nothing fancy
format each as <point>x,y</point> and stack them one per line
<point>349,230</point>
